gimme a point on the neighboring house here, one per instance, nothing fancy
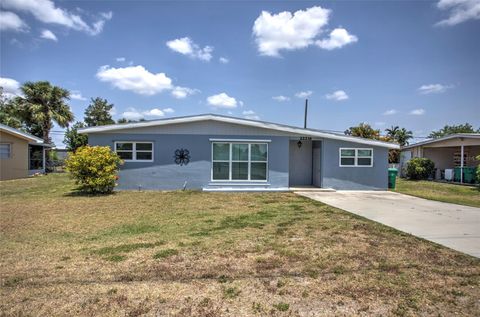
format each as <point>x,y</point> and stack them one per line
<point>446,153</point>
<point>213,152</point>
<point>21,154</point>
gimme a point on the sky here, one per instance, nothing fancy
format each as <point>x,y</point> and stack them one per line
<point>415,64</point>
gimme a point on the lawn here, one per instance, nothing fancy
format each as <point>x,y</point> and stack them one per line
<point>449,193</point>
<point>215,254</point>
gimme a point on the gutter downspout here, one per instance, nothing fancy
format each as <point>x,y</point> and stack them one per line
<point>461,163</point>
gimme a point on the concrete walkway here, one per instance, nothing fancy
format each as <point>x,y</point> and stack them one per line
<point>454,226</point>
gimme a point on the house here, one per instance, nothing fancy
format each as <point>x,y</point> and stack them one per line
<point>21,154</point>
<point>446,153</point>
<point>213,152</point>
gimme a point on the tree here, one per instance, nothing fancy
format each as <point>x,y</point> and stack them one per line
<point>392,132</point>
<point>123,120</point>
<point>8,113</point>
<point>363,130</point>
<point>452,129</point>
<point>98,113</point>
<point>43,104</point>
<point>402,136</point>
<point>73,140</point>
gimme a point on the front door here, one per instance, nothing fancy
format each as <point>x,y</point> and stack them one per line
<point>316,178</point>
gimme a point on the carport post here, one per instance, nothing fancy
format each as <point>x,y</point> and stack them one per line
<point>461,163</point>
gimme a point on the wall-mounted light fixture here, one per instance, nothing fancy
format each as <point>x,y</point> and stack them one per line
<point>299,144</point>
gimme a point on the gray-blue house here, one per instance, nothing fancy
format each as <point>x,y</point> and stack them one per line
<point>213,152</point>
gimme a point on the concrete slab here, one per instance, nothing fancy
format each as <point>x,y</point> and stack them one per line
<point>454,226</point>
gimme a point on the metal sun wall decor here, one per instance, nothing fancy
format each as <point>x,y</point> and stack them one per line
<point>182,157</point>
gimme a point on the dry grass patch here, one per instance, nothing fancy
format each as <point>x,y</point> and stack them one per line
<point>215,254</point>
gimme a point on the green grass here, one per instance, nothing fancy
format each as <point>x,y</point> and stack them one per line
<point>449,193</point>
<point>190,253</point>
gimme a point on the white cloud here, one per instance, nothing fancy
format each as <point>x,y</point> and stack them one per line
<point>134,114</point>
<point>304,94</point>
<point>223,60</point>
<point>284,31</point>
<point>120,59</point>
<point>186,46</point>
<point>338,38</point>
<point>390,112</point>
<point>48,35</point>
<point>77,95</point>
<point>281,98</point>
<point>417,112</point>
<point>135,78</point>
<point>433,88</point>
<point>11,87</point>
<point>183,92</point>
<point>222,100</point>
<point>459,11</point>
<point>11,21</point>
<point>287,31</point>
<point>46,12</point>
<point>250,114</point>
<point>338,95</point>
<point>113,111</point>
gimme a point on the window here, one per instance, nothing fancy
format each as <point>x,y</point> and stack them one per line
<point>239,161</point>
<point>5,150</point>
<point>135,151</point>
<point>356,157</point>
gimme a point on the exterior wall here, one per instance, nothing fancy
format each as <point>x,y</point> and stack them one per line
<point>353,178</point>
<point>17,165</point>
<point>164,174</point>
<point>300,163</point>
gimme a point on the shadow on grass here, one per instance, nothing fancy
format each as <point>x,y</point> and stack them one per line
<point>77,192</point>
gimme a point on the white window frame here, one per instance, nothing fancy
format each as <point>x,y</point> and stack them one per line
<point>230,161</point>
<point>9,151</point>
<point>356,157</point>
<point>134,150</point>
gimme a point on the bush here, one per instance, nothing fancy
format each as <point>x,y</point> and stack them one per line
<point>478,172</point>
<point>420,168</point>
<point>94,168</point>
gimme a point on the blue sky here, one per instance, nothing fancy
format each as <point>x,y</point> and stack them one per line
<point>407,63</point>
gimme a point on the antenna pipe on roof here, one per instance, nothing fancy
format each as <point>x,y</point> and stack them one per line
<point>306,110</point>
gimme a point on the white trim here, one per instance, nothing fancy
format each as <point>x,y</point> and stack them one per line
<point>448,137</point>
<point>230,161</point>
<point>9,150</point>
<point>239,121</point>
<point>134,150</point>
<point>20,134</point>
<point>240,140</point>
<point>355,158</point>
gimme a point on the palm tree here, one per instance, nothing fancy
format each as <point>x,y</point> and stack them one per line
<point>392,132</point>
<point>402,136</point>
<point>41,105</point>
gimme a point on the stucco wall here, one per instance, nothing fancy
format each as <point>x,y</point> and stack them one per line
<point>163,173</point>
<point>353,178</point>
<point>17,165</point>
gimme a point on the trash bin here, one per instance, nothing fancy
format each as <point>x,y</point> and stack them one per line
<point>457,172</point>
<point>392,176</point>
<point>469,175</point>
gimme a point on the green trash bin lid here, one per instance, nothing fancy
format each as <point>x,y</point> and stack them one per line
<point>392,170</point>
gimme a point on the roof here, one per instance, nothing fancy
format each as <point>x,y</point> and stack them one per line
<point>448,137</point>
<point>240,121</point>
<point>23,135</point>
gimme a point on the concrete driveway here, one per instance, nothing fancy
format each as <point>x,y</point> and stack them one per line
<point>454,226</point>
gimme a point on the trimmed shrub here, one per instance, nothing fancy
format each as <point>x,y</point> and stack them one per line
<point>94,168</point>
<point>420,168</point>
